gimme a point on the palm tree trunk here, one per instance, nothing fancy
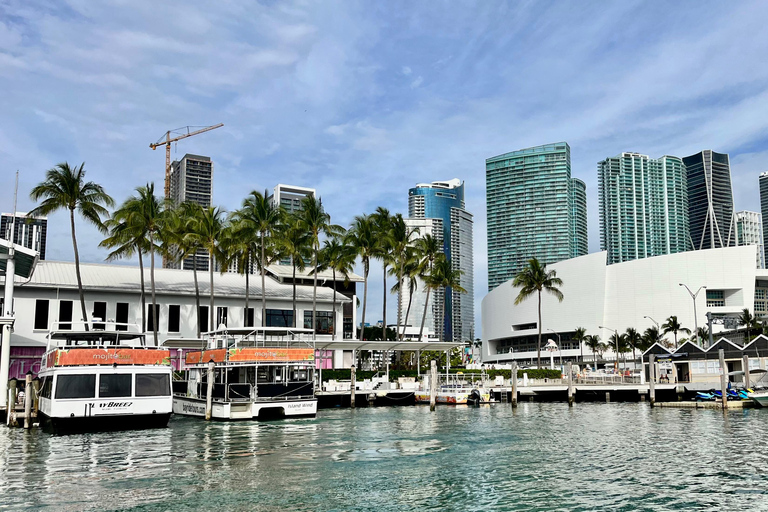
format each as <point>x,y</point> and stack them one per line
<point>399,336</point>
<point>77,269</point>
<point>538,345</point>
<point>143,292</point>
<point>263,285</point>
<point>333,316</point>
<point>442,315</point>
<point>197,295</point>
<point>407,312</point>
<point>247,290</point>
<point>384,311</point>
<point>152,284</point>
<point>294,293</point>
<point>211,326</point>
<point>424,316</point>
<point>314,288</point>
<point>365,300</point>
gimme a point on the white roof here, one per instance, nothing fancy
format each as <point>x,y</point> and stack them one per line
<point>109,277</point>
<point>286,271</point>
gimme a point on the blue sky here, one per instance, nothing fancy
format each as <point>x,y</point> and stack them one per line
<point>362,100</point>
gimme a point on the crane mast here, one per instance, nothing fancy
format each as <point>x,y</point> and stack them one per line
<point>166,140</point>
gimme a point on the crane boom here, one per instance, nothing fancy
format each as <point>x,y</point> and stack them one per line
<point>167,143</point>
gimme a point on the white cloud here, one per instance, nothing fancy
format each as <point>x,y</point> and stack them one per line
<point>406,70</point>
<point>419,80</point>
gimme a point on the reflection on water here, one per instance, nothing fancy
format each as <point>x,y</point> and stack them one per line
<point>537,457</point>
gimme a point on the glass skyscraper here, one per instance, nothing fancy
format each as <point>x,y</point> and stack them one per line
<point>444,200</point>
<point>749,231</point>
<point>643,206</point>
<point>530,198</point>
<point>710,200</point>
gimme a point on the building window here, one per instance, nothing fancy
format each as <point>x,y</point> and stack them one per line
<point>202,318</point>
<point>121,316</point>
<point>760,294</point>
<point>279,318</point>
<point>698,367</point>
<point>713,366</point>
<point>99,315</point>
<point>754,363</point>
<point>41,314</point>
<point>715,298</point>
<point>65,315</point>
<point>151,317</point>
<point>249,317</point>
<point>174,315</point>
<point>221,316</point>
<point>323,321</point>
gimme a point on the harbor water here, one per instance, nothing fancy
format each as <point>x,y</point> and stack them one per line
<point>541,456</point>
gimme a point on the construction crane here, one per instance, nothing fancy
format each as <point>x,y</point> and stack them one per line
<point>165,140</point>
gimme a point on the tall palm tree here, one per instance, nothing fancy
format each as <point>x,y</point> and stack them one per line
<point>428,248</point>
<point>361,238</point>
<point>410,276</point>
<point>316,222</point>
<point>579,335</point>
<point>293,242</point>
<point>339,258</point>
<point>179,242</point>
<point>703,334</point>
<point>65,188</point>
<point>401,238</point>
<point>673,326</point>
<point>651,336</point>
<point>634,339</point>
<point>535,278</point>
<point>262,216</point>
<point>239,245</point>
<point>207,234</point>
<point>445,276</point>
<point>747,319</point>
<point>383,228</point>
<point>592,341</point>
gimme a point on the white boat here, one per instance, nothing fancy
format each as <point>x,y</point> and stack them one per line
<point>759,395</point>
<point>760,398</point>
<point>94,379</point>
<point>258,373</point>
<point>455,392</point>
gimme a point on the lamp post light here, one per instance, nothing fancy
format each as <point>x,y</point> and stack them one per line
<point>617,344</point>
<point>693,297</point>
<point>652,320</point>
<point>559,347</point>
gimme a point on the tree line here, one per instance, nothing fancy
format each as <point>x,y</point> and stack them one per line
<point>258,234</point>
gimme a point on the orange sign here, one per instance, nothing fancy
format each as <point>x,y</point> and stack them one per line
<point>251,354</point>
<point>89,356</point>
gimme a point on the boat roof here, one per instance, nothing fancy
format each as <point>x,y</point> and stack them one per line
<point>386,345</point>
<point>245,331</point>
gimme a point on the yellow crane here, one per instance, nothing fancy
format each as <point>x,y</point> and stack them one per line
<point>165,140</point>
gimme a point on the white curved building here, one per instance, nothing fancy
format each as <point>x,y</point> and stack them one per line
<point>630,294</point>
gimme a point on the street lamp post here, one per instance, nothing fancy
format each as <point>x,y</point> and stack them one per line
<point>652,320</point>
<point>617,344</point>
<point>693,297</point>
<point>559,347</point>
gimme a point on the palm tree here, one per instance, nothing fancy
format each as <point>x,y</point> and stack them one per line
<point>179,242</point>
<point>207,234</point>
<point>65,188</point>
<point>634,339</point>
<point>579,335</point>
<point>651,336</point>
<point>428,248</point>
<point>239,245</point>
<point>259,215</point>
<point>592,341</point>
<point>361,238</point>
<point>382,221</point>
<point>536,278</point>
<point>315,221</point>
<point>673,326</point>
<point>410,275</point>
<point>339,258</point>
<point>400,239</point>
<point>702,333</point>
<point>750,321</point>
<point>293,242</point>
<point>445,276</point>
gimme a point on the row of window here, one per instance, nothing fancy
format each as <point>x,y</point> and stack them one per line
<point>119,385</point>
<point>275,317</point>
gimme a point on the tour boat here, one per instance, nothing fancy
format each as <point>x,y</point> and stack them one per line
<point>453,394</point>
<point>95,379</point>
<point>258,373</point>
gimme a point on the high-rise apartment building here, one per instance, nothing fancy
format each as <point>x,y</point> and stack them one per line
<point>531,212</point>
<point>30,232</point>
<point>763,181</point>
<point>710,200</point>
<point>290,197</point>
<point>434,228</point>
<point>643,206</point>
<point>192,181</point>
<point>749,231</point>
<point>442,202</point>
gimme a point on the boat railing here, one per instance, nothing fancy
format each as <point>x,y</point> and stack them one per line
<point>262,337</point>
<point>94,334</point>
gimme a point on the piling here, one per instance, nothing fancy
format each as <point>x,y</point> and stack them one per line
<point>745,364</point>
<point>723,378</point>
<point>514,384</point>
<point>652,378</point>
<point>28,402</point>
<point>607,397</point>
<point>11,401</point>
<point>209,394</point>
<point>352,386</point>
<point>36,401</point>
<point>433,386</point>
<point>570,384</point>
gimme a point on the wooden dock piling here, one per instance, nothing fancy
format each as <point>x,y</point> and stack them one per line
<point>352,386</point>
<point>570,383</point>
<point>433,386</point>
<point>723,378</point>
<point>513,375</point>
<point>28,396</point>
<point>745,365</point>
<point>652,378</point>
<point>209,394</point>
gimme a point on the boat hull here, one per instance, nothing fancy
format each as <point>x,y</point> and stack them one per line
<point>81,424</point>
<point>247,410</point>
<point>451,398</point>
<point>760,398</point>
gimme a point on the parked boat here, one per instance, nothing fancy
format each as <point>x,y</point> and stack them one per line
<point>95,379</point>
<point>455,392</point>
<point>258,373</point>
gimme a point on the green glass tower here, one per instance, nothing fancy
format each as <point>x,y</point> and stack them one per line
<point>643,206</point>
<point>530,201</point>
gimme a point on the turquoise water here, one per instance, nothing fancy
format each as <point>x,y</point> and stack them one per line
<point>541,456</point>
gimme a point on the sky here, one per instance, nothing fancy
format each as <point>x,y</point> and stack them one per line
<point>362,100</point>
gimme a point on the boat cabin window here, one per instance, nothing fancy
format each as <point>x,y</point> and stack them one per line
<point>153,384</point>
<point>269,374</point>
<point>76,386</point>
<point>298,375</point>
<point>113,386</point>
<point>46,387</point>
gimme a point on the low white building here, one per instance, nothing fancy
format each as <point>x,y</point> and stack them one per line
<point>638,293</point>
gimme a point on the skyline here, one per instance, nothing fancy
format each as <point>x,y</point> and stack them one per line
<point>363,101</point>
